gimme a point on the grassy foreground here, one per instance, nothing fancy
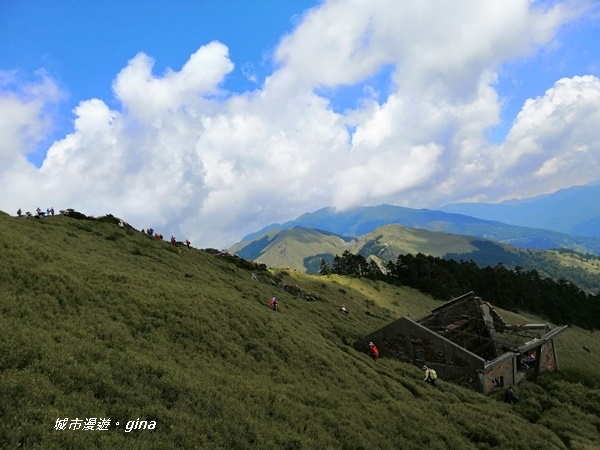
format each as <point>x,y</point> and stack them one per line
<point>102,322</point>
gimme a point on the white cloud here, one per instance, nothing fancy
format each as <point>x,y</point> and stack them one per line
<point>24,121</point>
<point>147,97</point>
<point>555,138</point>
<point>183,156</point>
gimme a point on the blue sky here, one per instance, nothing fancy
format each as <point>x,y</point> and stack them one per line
<point>343,103</point>
<point>84,43</point>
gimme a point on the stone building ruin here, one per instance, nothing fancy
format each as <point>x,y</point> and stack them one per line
<point>466,341</point>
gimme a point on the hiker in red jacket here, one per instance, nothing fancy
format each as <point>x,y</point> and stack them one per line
<point>373,351</point>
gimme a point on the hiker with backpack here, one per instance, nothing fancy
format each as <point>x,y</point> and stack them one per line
<point>430,375</point>
<point>373,351</point>
<point>274,304</point>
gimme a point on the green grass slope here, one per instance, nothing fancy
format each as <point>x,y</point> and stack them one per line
<point>293,247</point>
<point>289,248</point>
<point>389,241</point>
<point>102,322</point>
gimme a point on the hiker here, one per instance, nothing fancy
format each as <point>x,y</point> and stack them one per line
<point>52,210</point>
<point>509,396</point>
<point>430,375</point>
<point>173,240</point>
<point>19,212</point>
<point>47,211</point>
<point>529,361</point>
<point>274,304</point>
<point>187,243</point>
<point>344,310</point>
<point>373,351</point>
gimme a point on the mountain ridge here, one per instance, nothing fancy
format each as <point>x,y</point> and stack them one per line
<point>574,210</point>
<point>303,249</point>
<point>361,220</point>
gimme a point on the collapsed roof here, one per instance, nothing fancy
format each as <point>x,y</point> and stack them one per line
<point>466,339</point>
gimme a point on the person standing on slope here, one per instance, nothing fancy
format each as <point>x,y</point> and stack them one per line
<point>430,375</point>
<point>373,351</point>
<point>509,396</point>
<point>274,304</point>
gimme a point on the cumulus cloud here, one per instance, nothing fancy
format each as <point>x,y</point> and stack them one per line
<point>24,121</point>
<point>183,155</point>
<point>554,139</point>
<point>147,97</point>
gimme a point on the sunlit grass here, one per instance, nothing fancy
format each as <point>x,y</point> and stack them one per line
<point>102,322</point>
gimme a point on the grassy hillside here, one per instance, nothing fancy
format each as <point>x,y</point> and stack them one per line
<point>103,322</point>
<point>289,248</point>
<point>293,247</point>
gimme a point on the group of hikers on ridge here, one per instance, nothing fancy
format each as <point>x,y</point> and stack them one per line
<point>38,213</point>
<point>150,232</point>
<point>50,212</point>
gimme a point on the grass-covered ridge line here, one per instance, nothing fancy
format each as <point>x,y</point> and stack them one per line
<point>99,321</point>
<point>304,248</point>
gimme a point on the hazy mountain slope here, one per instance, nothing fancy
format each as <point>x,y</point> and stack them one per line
<point>292,247</point>
<point>575,210</point>
<point>589,227</point>
<point>288,248</point>
<point>103,322</point>
<point>389,241</point>
<point>361,220</point>
<point>303,248</point>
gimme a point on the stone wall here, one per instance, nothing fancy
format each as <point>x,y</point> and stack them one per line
<point>548,360</point>
<point>460,341</point>
<point>410,342</point>
<point>499,373</point>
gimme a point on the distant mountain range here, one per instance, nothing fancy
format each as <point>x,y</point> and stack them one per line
<point>303,249</point>
<point>362,220</point>
<point>303,242</point>
<point>575,211</point>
